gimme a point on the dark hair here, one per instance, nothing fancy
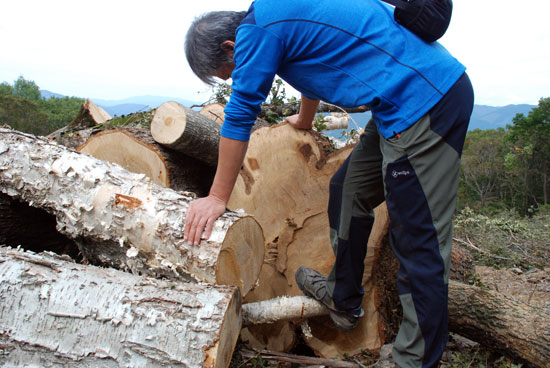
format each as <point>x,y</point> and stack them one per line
<point>203,40</point>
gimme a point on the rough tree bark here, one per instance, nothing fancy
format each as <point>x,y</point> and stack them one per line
<point>136,151</point>
<point>500,323</point>
<point>55,313</point>
<point>184,130</point>
<point>123,220</point>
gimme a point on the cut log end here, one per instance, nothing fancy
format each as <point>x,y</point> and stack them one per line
<point>168,123</point>
<point>240,259</point>
<point>120,147</point>
<point>214,111</point>
<point>220,355</point>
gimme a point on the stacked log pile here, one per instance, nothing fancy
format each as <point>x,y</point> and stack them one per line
<point>123,207</point>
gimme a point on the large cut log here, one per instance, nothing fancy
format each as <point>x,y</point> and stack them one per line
<point>122,219</point>
<point>380,302</point>
<point>136,151</point>
<point>498,322</point>
<point>184,130</point>
<point>55,313</point>
<point>292,210</point>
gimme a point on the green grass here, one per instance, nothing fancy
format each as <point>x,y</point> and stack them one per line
<point>504,239</point>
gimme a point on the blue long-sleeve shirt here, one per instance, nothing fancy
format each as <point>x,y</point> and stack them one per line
<point>348,53</point>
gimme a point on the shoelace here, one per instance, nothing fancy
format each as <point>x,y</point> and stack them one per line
<point>318,279</point>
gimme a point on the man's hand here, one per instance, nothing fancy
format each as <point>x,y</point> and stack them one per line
<point>297,122</point>
<point>202,212</point>
<point>304,120</point>
<point>200,217</point>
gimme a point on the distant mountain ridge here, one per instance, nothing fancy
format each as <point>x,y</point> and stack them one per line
<point>492,117</point>
<point>138,103</point>
<point>483,116</point>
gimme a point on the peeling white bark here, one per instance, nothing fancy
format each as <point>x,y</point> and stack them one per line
<point>55,313</point>
<point>336,121</point>
<point>122,219</point>
<point>282,309</point>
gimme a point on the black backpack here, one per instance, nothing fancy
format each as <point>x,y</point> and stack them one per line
<point>428,19</point>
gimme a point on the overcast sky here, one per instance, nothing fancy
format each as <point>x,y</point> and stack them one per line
<point>114,49</point>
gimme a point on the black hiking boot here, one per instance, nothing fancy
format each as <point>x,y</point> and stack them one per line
<point>314,285</point>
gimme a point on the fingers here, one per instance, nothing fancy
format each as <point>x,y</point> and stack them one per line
<point>188,222</point>
<point>192,233</point>
<point>199,229</point>
<point>208,227</point>
<point>200,218</point>
<point>194,226</point>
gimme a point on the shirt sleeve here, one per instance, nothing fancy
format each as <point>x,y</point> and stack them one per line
<point>258,53</point>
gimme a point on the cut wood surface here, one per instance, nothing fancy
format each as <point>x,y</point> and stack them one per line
<point>122,219</point>
<point>284,180</point>
<point>55,313</point>
<point>89,115</point>
<point>135,150</point>
<point>285,184</point>
<point>380,302</point>
<point>214,111</point>
<point>184,130</point>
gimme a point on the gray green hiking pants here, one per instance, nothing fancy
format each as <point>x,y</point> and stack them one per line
<point>416,172</point>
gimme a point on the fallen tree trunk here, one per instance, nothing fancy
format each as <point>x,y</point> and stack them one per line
<point>498,322</point>
<point>55,313</point>
<point>135,150</point>
<point>184,130</point>
<point>121,219</point>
